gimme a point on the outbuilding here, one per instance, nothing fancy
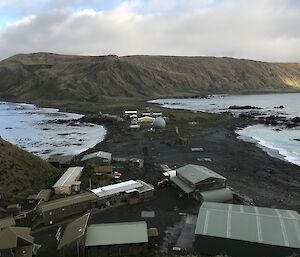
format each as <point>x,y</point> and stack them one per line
<point>238,230</point>
<point>193,179</point>
<point>97,158</point>
<point>42,196</point>
<point>68,182</point>
<point>60,161</point>
<point>146,119</point>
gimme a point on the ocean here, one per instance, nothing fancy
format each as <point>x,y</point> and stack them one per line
<point>277,141</point>
<point>40,130</point>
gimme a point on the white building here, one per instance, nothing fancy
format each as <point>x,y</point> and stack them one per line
<point>68,182</point>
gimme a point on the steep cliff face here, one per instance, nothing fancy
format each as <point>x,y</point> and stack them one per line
<point>46,76</point>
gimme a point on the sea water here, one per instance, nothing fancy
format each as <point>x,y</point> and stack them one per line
<point>283,143</point>
<point>30,128</point>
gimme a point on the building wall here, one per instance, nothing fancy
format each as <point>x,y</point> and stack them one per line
<point>65,190</point>
<point>74,249</point>
<point>60,213</point>
<point>117,250</point>
<point>210,184</point>
<point>208,245</point>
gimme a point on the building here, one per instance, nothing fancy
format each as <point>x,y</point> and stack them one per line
<point>157,114</point>
<point>60,161</point>
<point>238,230</point>
<point>58,209</point>
<point>116,239</point>
<point>223,195</point>
<point>97,158</point>
<point>146,119</point>
<point>42,196</point>
<point>68,182</point>
<point>194,179</point>
<point>128,113</point>
<point>105,169</point>
<point>127,192</point>
<point>112,239</point>
<point>7,222</point>
<point>16,242</point>
<point>73,238</point>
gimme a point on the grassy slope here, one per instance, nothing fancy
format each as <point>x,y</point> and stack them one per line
<point>44,76</point>
<point>22,173</point>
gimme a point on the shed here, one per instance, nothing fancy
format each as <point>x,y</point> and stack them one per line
<point>65,185</point>
<point>43,196</point>
<point>146,119</point>
<point>195,178</point>
<point>130,112</point>
<point>97,157</point>
<point>117,239</point>
<point>60,161</point>
<point>238,230</point>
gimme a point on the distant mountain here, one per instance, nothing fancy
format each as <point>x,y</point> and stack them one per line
<point>47,76</point>
<point>22,173</point>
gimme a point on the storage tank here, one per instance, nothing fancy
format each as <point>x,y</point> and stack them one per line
<point>159,123</point>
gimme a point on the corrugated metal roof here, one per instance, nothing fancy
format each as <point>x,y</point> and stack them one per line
<point>99,154</point>
<point>7,222</point>
<point>218,196</point>
<point>186,188</point>
<point>196,173</point>
<point>248,223</point>
<point>116,188</point>
<point>69,177</point>
<point>116,233</point>
<point>67,201</point>
<point>74,231</point>
<point>9,237</point>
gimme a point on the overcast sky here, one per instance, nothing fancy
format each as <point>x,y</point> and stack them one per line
<point>266,30</point>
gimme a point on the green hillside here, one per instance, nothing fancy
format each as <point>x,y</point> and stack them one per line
<point>45,76</point>
<point>22,173</point>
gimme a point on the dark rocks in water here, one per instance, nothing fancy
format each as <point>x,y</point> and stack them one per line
<point>278,129</point>
<point>297,139</point>
<point>274,120</point>
<point>63,134</point>
<point>291,124</point>
<point>247,115</point>
<point>244,107</point>
<point>8,128</point>
<point>279,107</point>
<point>45,129</point>
<point>296,119</point>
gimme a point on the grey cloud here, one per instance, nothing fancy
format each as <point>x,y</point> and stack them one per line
<point>259,29</point>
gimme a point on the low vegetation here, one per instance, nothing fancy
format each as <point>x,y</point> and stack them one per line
<point>22,173</point>
<point>94,79</point>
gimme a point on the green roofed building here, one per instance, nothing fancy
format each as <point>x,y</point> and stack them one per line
<point>117,239</point>
<point>194,179</point>
<point>238,230</point>
<point>110,239</point>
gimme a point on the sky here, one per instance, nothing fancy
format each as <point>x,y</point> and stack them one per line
<point>266,30</point>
